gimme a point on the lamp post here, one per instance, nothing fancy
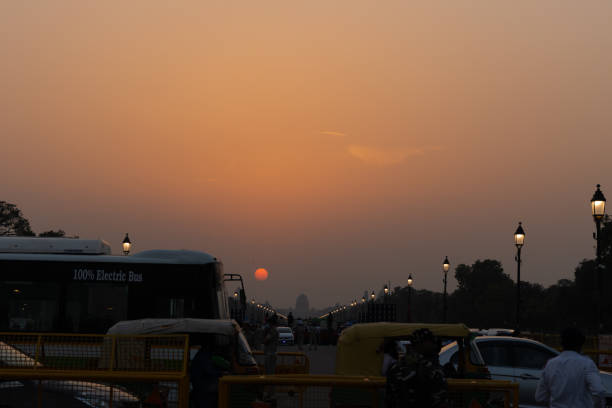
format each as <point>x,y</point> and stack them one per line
<point>126,244</point>
<point>519,240</point>
<point>386,291</point>
<point>409,297</point>
<point>373,296</point>
<point>598,209</point>
<point>445,268</point>
<point>236,305</point>
<point>362,313</point>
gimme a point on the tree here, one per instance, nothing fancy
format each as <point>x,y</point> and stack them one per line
<point>53,234</point>
<point>12,221</point>
<point>485,295</point>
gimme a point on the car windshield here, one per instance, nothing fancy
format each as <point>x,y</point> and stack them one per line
<point>284,330</point>
<point>475,357</point>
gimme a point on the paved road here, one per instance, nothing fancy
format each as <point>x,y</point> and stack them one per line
<point>322,360</point>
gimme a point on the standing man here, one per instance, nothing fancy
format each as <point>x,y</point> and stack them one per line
<point>299,331</point>
<point>270,342</point>
<point>571,379</point>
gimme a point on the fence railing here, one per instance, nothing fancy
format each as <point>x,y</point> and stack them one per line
<point>95,370</point>
<point>321,391</point>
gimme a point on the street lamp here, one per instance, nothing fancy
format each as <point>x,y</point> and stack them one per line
<point>598,209</point>
<point>127,244</point>
<point>373,296</point>
<point>445,268</point>
<point>386,290</point>
<point>519,240</point>
<point>409,297</point>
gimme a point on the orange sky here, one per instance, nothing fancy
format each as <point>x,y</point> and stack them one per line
<point>338,144</point>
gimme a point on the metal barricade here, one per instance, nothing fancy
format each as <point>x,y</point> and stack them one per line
<point>331,391</point>
<point>97,370</point>
<point>287,362</point>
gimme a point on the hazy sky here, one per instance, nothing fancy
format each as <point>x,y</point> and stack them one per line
<point>339,144</point>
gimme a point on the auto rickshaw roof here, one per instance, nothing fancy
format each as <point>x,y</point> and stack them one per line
<point>382,330</point>
<point>171,326</point>
<point>358,351</point>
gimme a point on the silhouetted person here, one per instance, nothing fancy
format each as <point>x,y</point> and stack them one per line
<point>206,369</point>
<point>417,380</point>
<point>571,379</point>
<point>270,342</point>
<point>390,355</point>
<point>299,333</point>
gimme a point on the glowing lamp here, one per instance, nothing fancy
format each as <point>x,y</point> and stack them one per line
<point>373,295</point>
<point>519,236</point>
<point>446,265</point>
<point>386,290</point>
<point>409,279</point>
<point>598,204</point>
<point>127,244</point>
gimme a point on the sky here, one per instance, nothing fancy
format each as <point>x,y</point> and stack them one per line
<point>340,145</point>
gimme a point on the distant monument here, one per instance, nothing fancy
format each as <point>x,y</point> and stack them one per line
<point>302,307</point>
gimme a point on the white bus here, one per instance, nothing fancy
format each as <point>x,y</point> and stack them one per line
<point>77,286</point>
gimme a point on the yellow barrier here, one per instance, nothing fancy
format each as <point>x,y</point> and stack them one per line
<point>287,362</point>
<point>95,369</point>
<point>308,391</point>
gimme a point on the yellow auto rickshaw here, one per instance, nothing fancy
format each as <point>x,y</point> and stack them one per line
<point>359,353</point>
<point>359,347</point>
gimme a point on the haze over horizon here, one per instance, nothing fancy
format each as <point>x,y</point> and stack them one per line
<point>338,145</point>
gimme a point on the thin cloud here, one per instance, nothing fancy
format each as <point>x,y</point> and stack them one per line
<point>332,133</point>
<point>386,157</point>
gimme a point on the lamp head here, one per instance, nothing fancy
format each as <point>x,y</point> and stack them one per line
<point>410,279</point>
<point>446,264</point>
<point>126,244</point>
<point>519,236</point>
<point>598,204</point>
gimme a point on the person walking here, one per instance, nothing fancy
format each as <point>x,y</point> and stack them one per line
<point>299,332</point>
<point>270,342</point>
<point>571,379</point>
<point>315,336</point>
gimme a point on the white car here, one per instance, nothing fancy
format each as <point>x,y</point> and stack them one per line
<point>60,393</point>
<point>518,360</point>
<point>285,336</point>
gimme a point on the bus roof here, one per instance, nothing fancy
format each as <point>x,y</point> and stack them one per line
<point>37,245</point>
<point>90,251</point>
<point>170,326</point>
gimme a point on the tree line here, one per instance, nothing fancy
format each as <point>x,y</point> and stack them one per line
<point>486,297</point>
<point>14,223</point>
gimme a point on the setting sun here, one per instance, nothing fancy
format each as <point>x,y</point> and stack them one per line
<point>261,274</point>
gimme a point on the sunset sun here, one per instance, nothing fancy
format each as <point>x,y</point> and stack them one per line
<point>261,274</point>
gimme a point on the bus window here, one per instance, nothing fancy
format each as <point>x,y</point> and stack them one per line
<point>30,307</point>
<point>93,308</point>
